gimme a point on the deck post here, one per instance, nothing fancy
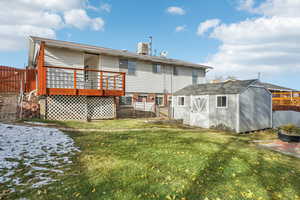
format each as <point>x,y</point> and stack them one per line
<point>42,71</point>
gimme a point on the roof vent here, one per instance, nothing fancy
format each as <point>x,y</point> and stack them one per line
<point>143,48</point>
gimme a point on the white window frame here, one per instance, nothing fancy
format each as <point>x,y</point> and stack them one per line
<point>184,101</point>
<point>226,101</point>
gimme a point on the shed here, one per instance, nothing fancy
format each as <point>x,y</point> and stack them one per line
<point>240,105</point>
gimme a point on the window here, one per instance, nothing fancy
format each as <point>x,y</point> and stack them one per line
<point>127,66</point>
<point>127,100</point>
<point>195,76</point>
<point>175,71</point>
<point>180,101</point>
<point>131,68</point>
<point>221,101</point>
<point>142,98</point>
<point>159,101</point>
<point>156,68</point>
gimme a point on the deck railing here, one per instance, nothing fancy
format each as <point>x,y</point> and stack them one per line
<point>78,81</point>
<point>286,101</point>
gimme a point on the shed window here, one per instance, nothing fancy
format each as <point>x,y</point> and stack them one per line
<point>221,101</point>
<point>159,101</point>
<point>127,66</point>
<point>156,68</point>
<point>181,101</point>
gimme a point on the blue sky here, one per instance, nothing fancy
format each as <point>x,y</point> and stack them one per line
<point>226,42</point>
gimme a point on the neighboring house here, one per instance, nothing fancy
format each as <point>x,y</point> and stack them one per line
<point>240,106</point>
<point>275,88</point>
<point>148,78</point>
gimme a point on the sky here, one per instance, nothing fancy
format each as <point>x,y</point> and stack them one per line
<point>239,38</point>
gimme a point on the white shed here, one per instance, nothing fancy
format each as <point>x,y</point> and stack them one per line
<point>239,106</point>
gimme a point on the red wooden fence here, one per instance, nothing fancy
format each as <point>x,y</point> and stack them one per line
<point>12,80</point>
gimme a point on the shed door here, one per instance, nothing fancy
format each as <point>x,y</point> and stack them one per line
<point>199,111</point>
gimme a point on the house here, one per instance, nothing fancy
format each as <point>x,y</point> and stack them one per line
<point>148,78</point>
<point>239,106</point>
<point>77,81</point>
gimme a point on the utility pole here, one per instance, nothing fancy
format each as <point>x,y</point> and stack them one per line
<point>258,76</point>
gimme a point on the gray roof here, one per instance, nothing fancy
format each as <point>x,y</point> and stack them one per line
<point>228,87</point>
<point>113,52</point>
<point>270,86</point>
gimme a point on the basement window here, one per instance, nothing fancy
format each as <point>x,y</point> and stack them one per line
<point>222,101</point>
<point>126,100</point>
<point>180,101</point>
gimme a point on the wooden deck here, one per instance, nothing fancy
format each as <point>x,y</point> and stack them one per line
<point>286,101</point>
<point>56,80</point>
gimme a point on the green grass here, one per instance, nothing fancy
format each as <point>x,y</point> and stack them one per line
<point>168,162</point>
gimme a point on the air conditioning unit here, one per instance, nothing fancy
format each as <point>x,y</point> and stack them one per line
<point>143,48</point>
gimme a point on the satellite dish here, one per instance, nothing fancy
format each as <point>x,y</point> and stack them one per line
<point>164,54</point>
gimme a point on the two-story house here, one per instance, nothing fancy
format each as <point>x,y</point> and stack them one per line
<point>148,78</point>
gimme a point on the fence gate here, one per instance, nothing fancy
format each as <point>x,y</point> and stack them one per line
<point>199,111</point>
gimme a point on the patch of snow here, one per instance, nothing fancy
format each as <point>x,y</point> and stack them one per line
<point>33,151</point>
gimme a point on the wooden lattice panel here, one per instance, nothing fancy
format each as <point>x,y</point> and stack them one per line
<point>101,107</point>
<point>61,107</point>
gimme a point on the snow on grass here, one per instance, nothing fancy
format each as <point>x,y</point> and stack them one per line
<point>32,156</point>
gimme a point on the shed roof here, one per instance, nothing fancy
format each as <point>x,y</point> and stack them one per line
<point>228,87</point>
<point>114,52</point>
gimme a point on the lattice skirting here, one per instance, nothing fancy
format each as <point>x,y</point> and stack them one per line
<point>59,107</point>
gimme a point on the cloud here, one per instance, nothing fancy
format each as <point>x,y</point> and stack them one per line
<point>283,8</point>
<point>208,24</point>
<point>180,28</point>
<point>176,10</point>
<point>266,44</point>
<point>79,19</point>
<point>20,18</point>
<point>105,7</point>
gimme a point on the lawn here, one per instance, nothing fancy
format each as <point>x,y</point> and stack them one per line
<point>170,162</point>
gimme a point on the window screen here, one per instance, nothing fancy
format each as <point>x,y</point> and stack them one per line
<point>221,101</point>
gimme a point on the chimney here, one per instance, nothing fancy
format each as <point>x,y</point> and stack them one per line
<point>143,48</point>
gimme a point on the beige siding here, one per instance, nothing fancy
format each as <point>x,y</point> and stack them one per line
<point>145,81</point>
<point>63,58</point>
